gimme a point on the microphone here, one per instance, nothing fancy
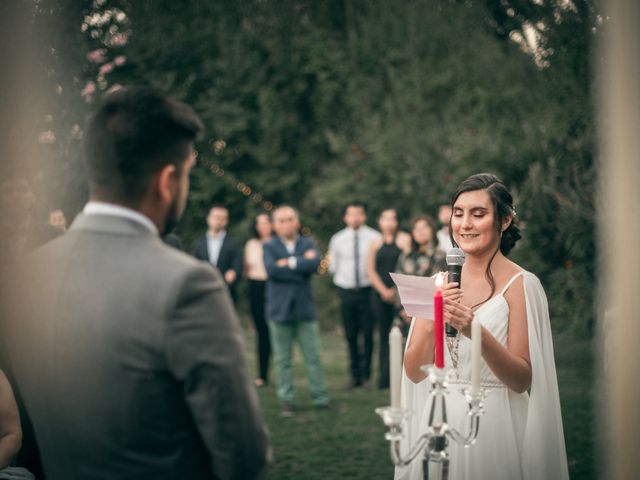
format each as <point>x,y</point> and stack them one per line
<point>455,260</point>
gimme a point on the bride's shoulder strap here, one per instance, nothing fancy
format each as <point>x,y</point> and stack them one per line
<point>510,282</point>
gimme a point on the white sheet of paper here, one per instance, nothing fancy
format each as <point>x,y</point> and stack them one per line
<point>416,294</point>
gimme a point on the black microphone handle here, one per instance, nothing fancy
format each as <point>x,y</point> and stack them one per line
<point>454,273</point>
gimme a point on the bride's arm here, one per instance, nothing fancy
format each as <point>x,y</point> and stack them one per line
<point>420,349</point>
<point>511,364</point>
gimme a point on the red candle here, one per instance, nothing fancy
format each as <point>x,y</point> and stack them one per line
<point>438,329</point>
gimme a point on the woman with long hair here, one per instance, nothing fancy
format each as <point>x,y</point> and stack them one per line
<point>256,273</point>
<point>521,434</point>
<point>425,257</point>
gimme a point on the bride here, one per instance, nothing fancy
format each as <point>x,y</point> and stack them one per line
<point>521,435</point>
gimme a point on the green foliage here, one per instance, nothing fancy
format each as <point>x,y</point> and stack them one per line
<point>315,103</point>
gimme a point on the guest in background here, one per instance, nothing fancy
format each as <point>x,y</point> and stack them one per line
<point>383,258</point>
<point>291,260</point>
<point>348,250</point>
<point>173,240</point>
<point>425,257</point>
<point>255,272</point>
<point>58,220</point>
<point>219,248</point>
<point>444,236</point>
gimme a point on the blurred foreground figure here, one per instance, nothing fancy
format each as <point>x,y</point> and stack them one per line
<point>173,240</point>
<point>128,352</point>
<point>10,434</point>
<point>20,233</point>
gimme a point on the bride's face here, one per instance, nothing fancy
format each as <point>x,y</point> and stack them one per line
<point>473,223</point>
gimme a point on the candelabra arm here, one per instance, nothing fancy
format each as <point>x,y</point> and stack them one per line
<point>476,409</point>
<point>402,461</point>
<point>472,435</point>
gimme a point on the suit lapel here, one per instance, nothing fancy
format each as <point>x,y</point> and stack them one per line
<point>282,247</point>
<point>300,245</point>
<point>204,248</point>
<point>223,248</point>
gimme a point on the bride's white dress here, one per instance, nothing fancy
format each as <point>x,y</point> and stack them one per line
<point>520,435</point>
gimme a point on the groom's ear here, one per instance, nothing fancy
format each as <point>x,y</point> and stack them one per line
<point>166,184</point>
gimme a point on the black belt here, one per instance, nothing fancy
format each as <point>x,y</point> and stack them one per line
<point>356,289</point>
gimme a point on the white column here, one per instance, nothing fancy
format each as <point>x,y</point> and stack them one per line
<point>619,122</point>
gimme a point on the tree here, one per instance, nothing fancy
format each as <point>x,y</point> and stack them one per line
<point>314,103</point>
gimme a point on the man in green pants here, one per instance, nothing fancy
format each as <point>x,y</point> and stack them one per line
<point>291,260</point>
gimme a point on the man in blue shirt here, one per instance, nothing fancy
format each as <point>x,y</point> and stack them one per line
<point>290,261</point>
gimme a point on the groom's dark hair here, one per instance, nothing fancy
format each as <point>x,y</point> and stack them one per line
<point>136,132</point>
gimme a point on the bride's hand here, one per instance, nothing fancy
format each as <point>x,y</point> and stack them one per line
<point>451,292</point>
<point>459,317</point>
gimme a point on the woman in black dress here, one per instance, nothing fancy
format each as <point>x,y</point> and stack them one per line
<point>382,259</point>
<point>256,273</point>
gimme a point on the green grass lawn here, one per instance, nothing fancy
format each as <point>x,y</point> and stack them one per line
<point>348,441</point>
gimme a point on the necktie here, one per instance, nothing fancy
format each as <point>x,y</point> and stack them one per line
<point>356,258</point>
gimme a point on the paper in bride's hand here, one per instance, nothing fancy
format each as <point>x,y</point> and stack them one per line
<point>416,294</point>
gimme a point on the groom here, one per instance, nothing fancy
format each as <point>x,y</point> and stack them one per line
<point>128,352</point>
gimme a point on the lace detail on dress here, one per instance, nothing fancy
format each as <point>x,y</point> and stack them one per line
<point>453,344</point>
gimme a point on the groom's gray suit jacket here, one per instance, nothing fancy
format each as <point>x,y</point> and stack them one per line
<point>129,356</point>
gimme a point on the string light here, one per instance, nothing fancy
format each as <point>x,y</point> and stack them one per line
<point>324,265</point>
<point>218,146</point>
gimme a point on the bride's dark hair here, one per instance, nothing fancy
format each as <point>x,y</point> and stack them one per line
<point>502,207</point>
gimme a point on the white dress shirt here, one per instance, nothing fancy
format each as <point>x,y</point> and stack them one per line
<point>214,245</point>
<point>103,208</point>
<point>444,241</point>
<point>342,256</point>
<point>290,245</point>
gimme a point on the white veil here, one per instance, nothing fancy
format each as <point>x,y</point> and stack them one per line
<point>413,397</point>
<point>543,455</point>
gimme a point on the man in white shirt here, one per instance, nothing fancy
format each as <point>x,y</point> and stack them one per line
<point>220,249</point>
<point>444,238</point>
<point>348,250</point>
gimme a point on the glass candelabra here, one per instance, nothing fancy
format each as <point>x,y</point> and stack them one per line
<point>434,441</point>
